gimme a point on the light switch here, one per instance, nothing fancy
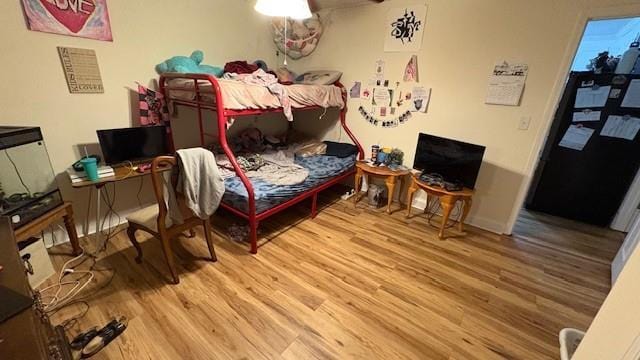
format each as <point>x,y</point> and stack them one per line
<point>524,123</point>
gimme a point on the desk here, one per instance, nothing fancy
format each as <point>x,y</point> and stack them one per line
<point>121,173</point>
<point>391,176</point>
<point>36,226</point>
<point>448,199</point>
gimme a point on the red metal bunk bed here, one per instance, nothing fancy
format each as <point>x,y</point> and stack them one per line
<point>203,95</point>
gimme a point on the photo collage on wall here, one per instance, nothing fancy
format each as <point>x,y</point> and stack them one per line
<point>391,101</point>
<point>387,103</point>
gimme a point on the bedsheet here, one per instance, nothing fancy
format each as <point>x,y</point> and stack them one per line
<point>321,169</point>
<point>240,96</point>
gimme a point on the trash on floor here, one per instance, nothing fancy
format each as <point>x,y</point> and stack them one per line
<point>239,232</point>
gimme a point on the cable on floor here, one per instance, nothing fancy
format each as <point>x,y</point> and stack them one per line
<point>454,218</point>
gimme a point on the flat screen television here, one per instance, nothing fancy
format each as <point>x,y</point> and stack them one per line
<point>455,161</point>
<point>133,144</point>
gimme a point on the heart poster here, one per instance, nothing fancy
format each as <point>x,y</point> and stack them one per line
<point>82,18</point>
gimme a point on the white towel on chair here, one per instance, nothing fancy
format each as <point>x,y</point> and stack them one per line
<point>200,182</point>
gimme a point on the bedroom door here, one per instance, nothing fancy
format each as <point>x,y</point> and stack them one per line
<point>587,184</point>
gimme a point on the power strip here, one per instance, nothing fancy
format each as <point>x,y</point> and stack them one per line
<point>348,195</point>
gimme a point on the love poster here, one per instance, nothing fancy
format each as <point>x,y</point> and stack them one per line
<point>82,18</point>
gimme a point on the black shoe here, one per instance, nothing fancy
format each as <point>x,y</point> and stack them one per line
<point>106,335</point>
<point>82,339</point>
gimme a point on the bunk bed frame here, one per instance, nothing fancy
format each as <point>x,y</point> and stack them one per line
<point>222,114</point>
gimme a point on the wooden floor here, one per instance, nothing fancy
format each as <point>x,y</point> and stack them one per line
<point>355,284</point>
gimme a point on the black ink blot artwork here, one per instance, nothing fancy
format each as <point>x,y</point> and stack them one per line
<point>405,27</point>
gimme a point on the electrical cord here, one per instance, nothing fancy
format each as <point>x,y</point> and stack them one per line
<point>57,299</point>
<point>131,170</point>
<point>111,212</point>
<point>323,114</point>
<point>70,322</point>
<point>61,298</point>
<point>432,210</point>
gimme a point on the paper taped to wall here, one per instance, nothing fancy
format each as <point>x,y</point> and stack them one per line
<point>576,137</point>
<point>379,71</point>
<point>586,115</point>
<point>382,97</point>
<point>632,97</point>
<point>420,97</point>
<point>592,97</point>
<point>623,127</point>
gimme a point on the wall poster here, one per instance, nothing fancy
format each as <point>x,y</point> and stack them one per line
<point>404,28</point>
<point>82,18</point>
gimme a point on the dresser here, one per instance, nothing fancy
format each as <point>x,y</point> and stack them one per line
<point>28,334</point>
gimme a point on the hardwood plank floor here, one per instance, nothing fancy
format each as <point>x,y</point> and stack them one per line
<point>353,284</point>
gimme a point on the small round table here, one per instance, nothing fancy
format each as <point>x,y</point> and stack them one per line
<point>448,200</point>
<point>391,176</point>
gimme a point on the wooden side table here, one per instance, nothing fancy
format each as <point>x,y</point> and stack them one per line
<point>391,177</point>
<point>448,200</point>
<point>36,226</point>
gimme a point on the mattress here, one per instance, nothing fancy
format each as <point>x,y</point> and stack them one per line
<point>321,169</point>
<point>237,95</point>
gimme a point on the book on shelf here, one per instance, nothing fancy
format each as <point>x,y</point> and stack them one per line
<point>80,176</point>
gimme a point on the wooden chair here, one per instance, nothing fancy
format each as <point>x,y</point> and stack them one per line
<point>153,219</point>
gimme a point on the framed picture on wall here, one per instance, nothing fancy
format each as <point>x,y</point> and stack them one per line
<point>404,28</point>
<point>82,18</point>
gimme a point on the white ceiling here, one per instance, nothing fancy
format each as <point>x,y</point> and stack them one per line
<point>332,4</point>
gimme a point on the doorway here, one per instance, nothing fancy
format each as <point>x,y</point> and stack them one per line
<point>588,168</point>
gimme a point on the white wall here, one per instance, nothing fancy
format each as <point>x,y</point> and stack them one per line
<point>33,90</point>
<point>616,327</point>
<point>463,40</point>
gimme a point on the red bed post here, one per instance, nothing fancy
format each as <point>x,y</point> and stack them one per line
<point>222,138</point>
<point>200,119</point>
<point>343,121</point>
<point>170,143</point>
<point>314,205</point>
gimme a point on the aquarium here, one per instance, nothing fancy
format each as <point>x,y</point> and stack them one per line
<point>28,187</point>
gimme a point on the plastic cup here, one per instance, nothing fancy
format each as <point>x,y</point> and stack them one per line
<point>90,166</point>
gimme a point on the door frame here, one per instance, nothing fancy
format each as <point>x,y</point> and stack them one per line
<point>595,13</point>
<point>628,211</point>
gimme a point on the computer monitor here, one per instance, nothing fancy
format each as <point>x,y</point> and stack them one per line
<point>133,144</point>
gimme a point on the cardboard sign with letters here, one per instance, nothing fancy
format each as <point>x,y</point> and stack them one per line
<point>82,71</point>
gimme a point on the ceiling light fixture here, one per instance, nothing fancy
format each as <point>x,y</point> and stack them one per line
<point>295,9</point>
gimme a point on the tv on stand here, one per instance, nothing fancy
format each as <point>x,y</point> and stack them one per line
<point>450,163</point>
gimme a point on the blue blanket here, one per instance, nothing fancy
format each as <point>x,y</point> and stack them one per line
<point>321,169</point>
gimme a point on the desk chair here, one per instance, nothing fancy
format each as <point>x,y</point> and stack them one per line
<point>153,219</point>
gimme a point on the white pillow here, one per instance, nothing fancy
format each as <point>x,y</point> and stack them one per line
<point>320,77</point>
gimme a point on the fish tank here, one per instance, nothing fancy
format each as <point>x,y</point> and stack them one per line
<point>28,187</point>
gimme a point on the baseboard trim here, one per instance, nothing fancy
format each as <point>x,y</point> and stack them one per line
<point>483,223</point>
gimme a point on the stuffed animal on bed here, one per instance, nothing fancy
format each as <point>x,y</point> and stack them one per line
<point>188,65</point>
